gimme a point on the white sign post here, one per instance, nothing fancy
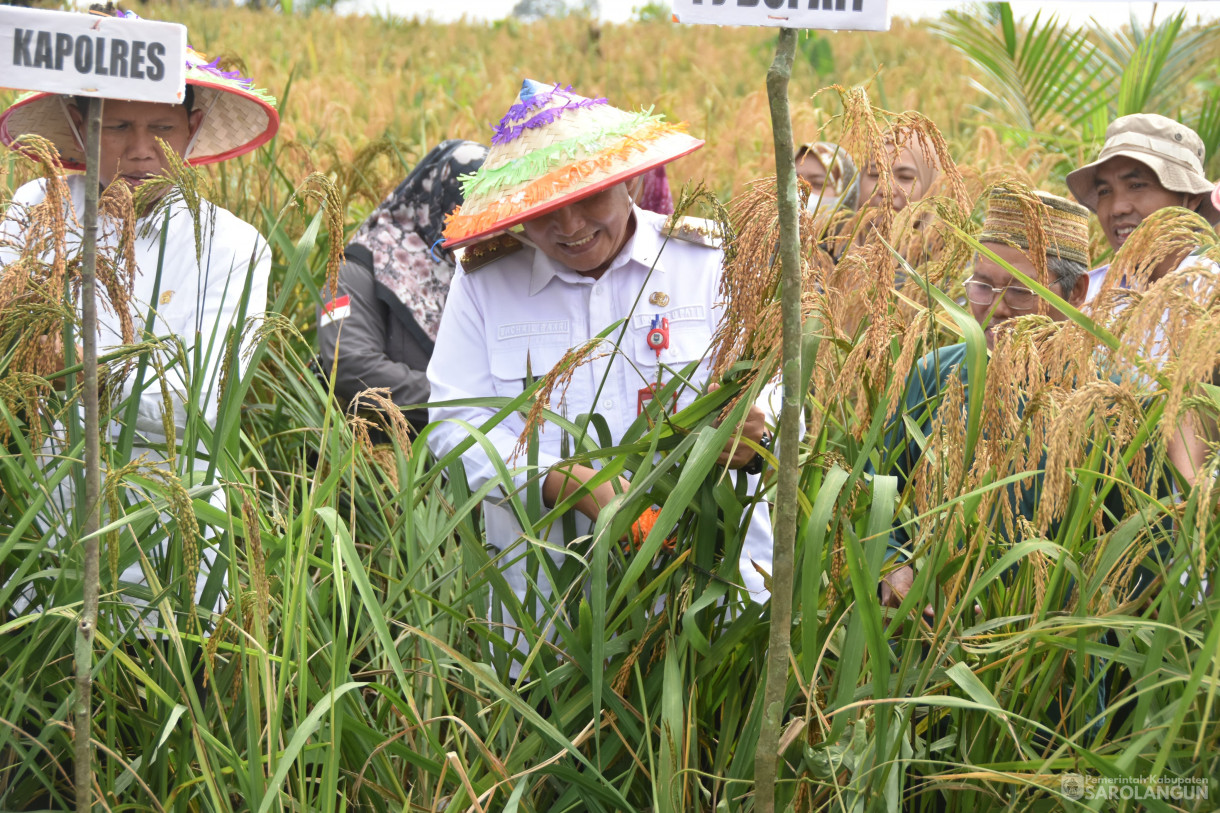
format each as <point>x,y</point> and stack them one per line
<point>845,15</point>
<point>99,57</point>
<point>88,55</point>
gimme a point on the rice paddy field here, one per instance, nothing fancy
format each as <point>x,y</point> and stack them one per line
<point>1072,658</point>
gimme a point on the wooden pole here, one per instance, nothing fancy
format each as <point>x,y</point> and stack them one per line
<point>766,756</point>
<point>86,625</point>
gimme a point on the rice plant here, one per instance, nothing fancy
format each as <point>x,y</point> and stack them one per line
<point>341,653</point>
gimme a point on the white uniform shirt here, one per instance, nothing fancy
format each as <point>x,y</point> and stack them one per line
<point>196,297</point>
<point>525,306</point>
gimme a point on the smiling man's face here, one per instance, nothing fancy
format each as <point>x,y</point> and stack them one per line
<point>1127,192</point>
<point>130,130</point>
<point>586,235</point>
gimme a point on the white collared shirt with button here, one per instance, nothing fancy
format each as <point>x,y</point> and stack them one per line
<point>520,314</point>
<point>195,294</point>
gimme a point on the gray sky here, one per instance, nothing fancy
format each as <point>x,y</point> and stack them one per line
<point>1078,11</point>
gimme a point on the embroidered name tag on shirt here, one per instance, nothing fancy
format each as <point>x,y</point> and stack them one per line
<point>519,329</point>
<point>688,313</point>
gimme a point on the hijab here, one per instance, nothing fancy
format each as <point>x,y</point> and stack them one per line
<point>654,192</point>
<point>842,186</point>
<point>403,236</point>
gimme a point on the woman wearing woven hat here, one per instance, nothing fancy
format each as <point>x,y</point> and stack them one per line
<point>558,253</point>
<point>196,269</point>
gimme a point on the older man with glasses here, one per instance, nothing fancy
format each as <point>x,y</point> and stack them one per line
<point>993,293</point>
<point>1015,220</point>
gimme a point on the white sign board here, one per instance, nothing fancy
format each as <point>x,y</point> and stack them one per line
<point>846,15</point>
<point>89,55</point>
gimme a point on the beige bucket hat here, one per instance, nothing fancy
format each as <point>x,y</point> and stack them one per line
<point>1169,148</point>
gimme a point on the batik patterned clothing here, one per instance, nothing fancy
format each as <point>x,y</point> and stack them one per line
<point>378,328</point>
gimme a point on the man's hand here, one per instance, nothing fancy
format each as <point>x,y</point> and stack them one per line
<point>565,479</point>
<point>737,454</point>
<point>896,585</point>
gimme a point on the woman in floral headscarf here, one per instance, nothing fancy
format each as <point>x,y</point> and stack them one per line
<point>378,328</point>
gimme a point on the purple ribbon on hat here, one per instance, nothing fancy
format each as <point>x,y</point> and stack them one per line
<point>505,133</point>
<point>531,102</point>
<point>213,68</point>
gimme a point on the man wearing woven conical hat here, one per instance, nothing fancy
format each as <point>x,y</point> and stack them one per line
<point>196,270</point>
<point>557,252</point>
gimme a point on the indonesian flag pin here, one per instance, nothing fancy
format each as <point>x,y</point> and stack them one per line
<point>658,334</point>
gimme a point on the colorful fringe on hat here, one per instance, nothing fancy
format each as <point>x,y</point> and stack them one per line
<point>1015,219</point>
<point>238,117</point>
<point>554,147</point>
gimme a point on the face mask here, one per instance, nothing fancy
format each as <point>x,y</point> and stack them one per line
<point>827,203</point>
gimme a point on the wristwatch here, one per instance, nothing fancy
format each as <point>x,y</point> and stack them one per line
<point>756,464</point>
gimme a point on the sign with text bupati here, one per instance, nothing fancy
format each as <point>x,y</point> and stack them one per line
<point>89,55</point>
<point>846,15</point>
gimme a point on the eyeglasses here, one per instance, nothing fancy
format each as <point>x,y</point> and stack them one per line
<point>1016,297</point>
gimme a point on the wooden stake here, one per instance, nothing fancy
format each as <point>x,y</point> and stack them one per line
<point>87,624</point>
<point>766,756</point>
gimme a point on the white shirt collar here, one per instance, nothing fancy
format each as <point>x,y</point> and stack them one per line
<point>643,247</point>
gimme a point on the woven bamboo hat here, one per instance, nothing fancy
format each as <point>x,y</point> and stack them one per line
<point>1022,219</point>
<point>554,147</point>
<point>238,117</point>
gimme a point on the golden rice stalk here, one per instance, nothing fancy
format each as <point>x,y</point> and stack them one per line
<point>1169,325</point>
<point>940,472</point>
<point>322,189</point>
<point>871,134</point>
<point>1040,567</point>
<point>110,495</point>
<point>1162,239</point>
<point>750,285</point>
<point>360,177</point>
<point>180,507</point>
<point>976,548</point>
<point>269,328</point>
<point>1207,494</point>
<point>872,247</point>
<point>35,289</point>
<point>257,561</point>
<point>112,539</point>
<point>556,379</point>
<point>1099,412</point>
<point>1126,570</point>
<point>116,266</point>
<point>180,181</point>
<point>623,676</point>
<point>377,400</point>
<point>50,221</point>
